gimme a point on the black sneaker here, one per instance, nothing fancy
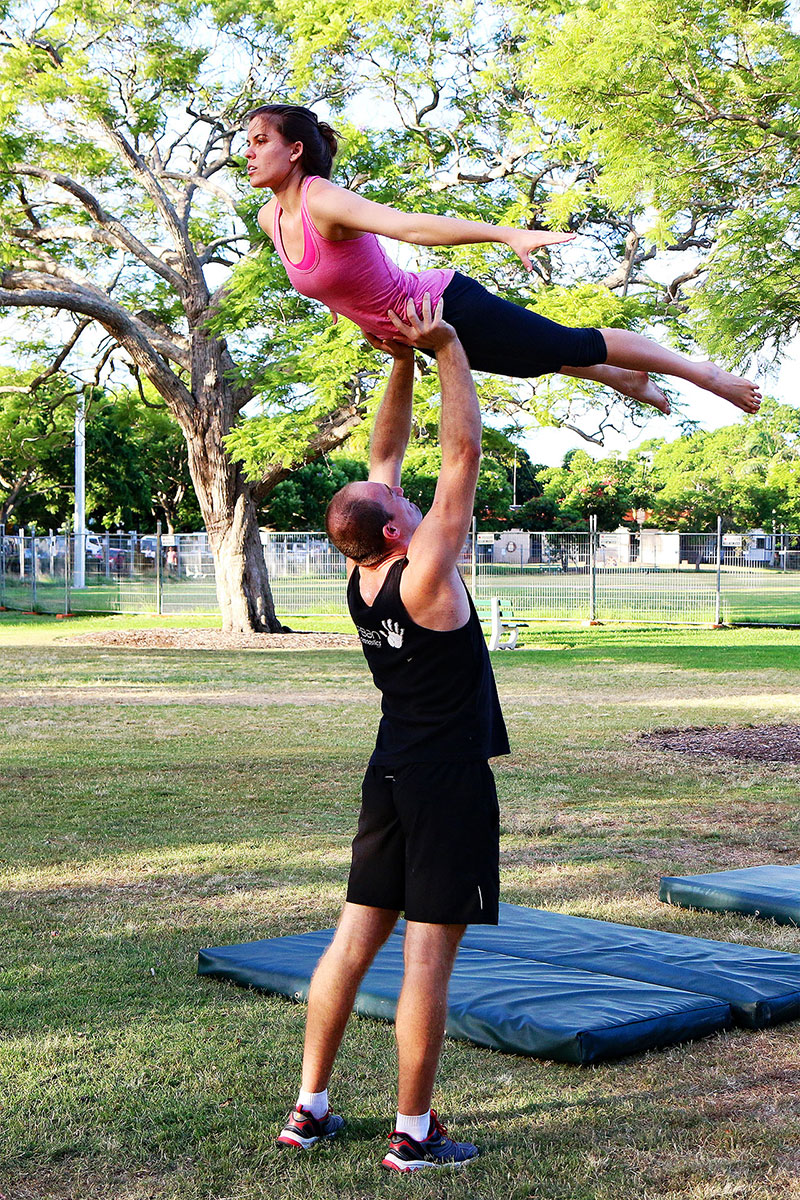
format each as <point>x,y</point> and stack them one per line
<point>436,1150</point>
<point>302,1131</point>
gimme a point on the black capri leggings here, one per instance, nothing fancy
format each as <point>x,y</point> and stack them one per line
<point>506,339</point>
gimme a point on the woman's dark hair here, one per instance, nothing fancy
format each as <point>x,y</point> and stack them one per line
<point>296,124</point>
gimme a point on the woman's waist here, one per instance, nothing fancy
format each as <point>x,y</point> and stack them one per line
<point>365,299</point>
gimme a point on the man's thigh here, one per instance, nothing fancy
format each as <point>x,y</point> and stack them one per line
<point>450,820</point>
<point>377,869</point>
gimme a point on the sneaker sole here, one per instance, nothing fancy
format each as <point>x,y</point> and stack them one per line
<point>419,1164</point>
<point>296,1142</point>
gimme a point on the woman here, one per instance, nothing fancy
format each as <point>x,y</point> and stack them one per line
<point>326,238</point>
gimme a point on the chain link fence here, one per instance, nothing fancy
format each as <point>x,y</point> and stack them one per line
<point>646,576</point>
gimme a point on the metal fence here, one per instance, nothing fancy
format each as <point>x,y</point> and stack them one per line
<point>647,576</point>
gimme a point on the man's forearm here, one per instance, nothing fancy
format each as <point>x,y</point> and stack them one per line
<point>392,428</point>
<point>460,422</point>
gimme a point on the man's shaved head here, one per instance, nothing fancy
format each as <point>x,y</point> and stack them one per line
<point>355,525</point>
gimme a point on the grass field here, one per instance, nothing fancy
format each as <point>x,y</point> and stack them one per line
<point>152,803</point>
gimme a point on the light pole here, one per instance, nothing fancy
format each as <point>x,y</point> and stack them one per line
<point>79,557</point>
<point>514,506</point>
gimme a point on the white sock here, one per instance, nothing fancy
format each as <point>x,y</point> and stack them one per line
<point>314,1102</point>
<point>415,1127</point>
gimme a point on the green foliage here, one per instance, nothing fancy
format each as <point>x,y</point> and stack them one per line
<point>692,114</point>
<point>741,473</point>
<point>589,304</point>
<point>587,486</point>
<point>137,468</point>
<point>300,501</point>
<point>35,433</point>
<point>679,122</point>
<point>749,474</point>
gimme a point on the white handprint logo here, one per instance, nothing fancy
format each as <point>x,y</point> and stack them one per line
<point>393,633</point>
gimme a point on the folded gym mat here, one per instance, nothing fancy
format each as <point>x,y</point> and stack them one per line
<point>768,891</point>
<point>497,1000</point>
<point>761,986</point>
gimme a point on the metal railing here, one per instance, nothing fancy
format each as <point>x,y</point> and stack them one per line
<point>648,576</point>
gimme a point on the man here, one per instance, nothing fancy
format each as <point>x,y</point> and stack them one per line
<point>427,841</point>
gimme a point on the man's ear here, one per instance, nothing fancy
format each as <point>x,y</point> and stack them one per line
<point>391,532</point>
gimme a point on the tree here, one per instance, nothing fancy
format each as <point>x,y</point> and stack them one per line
<point>300,501</point>
<point>588,486</point>
<point>112,208</point>
<point>121,204</point>
<point>691,112</point>
<point>37,415</point>
<point>742,475</point>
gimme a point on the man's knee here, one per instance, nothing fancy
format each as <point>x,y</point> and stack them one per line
<point>431,947</point>
<point>361,933</point>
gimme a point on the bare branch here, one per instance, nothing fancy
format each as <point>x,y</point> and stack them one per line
<point>61,357</point>
<point>434,103</point>
<point>193,284</point>
<point>122,237</point>
<point>204,184</point>
<point>207,252</point>
<point>23,289</point>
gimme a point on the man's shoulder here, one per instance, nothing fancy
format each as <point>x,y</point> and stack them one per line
<point>438,603</point>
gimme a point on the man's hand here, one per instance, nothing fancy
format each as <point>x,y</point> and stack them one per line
<point>398,350</point>
<point>523,241</point>
<point>426,332</point>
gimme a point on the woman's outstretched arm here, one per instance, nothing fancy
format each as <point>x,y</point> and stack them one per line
<point>334,210</point>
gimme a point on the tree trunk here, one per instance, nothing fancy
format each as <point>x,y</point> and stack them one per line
<point>241,577</point>
<point>225,498</point>
<point>243,590</point>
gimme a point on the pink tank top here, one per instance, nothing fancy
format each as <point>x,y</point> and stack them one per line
<point>355,278</point>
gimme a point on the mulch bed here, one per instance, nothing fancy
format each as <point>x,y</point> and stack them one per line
<point>214,639</point>
<point>762,743</point>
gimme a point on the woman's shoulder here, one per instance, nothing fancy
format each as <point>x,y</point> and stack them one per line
<point>324,196</point>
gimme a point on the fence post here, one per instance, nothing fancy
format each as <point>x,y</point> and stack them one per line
<point>593,568</point>
<point>32,528</point>
<point>2,566</point>
<point>472,589</point>
<point>159,580</point>
<point>67,564</point>
<point>718,601</point>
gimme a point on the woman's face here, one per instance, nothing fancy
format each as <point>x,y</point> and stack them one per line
<point>270,158</point>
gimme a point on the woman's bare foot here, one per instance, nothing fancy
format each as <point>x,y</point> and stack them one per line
<point>638,385</point>
<point>740,392</point>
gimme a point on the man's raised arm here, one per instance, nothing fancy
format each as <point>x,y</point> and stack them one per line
<point>432,585</point>
<point>392,427</point>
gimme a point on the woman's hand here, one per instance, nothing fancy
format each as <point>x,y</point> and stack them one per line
<point>523,241</point>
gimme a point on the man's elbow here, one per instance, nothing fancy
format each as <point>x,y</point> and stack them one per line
<point>468,453</point>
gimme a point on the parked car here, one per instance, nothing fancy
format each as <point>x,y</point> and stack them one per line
<point>93,547</point>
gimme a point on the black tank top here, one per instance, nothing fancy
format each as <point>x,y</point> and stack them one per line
<point>439,699</point>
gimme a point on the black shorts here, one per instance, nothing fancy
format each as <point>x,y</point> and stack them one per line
<point>428,843</point>
<point>506,339</point>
